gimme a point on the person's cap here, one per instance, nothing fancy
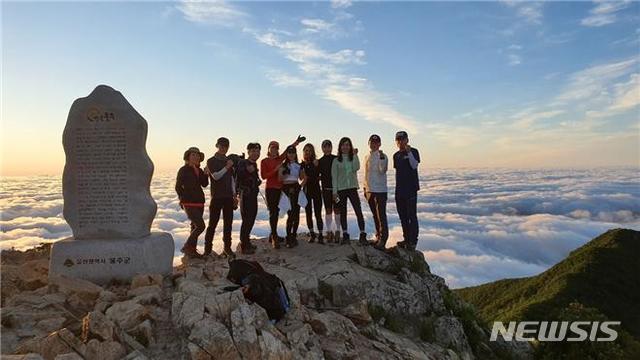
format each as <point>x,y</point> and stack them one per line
<point>195,150</point>
<point>291,149</point>
<point>374,138</point>
<point>222,141</point>
<point>274,143</point>
<point>326,142</point>
<point>400,135</point>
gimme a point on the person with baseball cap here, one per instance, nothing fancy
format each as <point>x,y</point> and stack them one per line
<point>189,183</point>
<point>406,161</point>
<point>269,171</point>
<point>220,171</point>
<point>375,189</point>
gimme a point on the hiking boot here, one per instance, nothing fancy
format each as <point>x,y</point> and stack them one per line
<point>329,237</point>
<point>380,245</point>
<point>411,246</point>
<point>227,252</point>
<point>312,237</point>
<point>191,253</point>
<point>320,239</point>
<point>247,248</point>
<point>345,239</point>
<point>363,239</point>
<point>402,244</point>
<point>336,236</point>
<point>289,242</point>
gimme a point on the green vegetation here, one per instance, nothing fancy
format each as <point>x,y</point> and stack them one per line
<point>597,281</point>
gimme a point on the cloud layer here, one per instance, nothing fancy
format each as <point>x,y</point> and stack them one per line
<point>475,225</point>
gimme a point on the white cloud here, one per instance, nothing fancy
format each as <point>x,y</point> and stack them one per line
<point>324,71</point>
<point>341,4</point>
<point>476,225</point>
<point>594,81</point>
<point>604,13</point>
<point>316,25</point>
<point>530,11</point>
<point>514,59</point>
<point>216,12</point>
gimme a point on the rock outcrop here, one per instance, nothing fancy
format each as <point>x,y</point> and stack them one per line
<point>348,302</point>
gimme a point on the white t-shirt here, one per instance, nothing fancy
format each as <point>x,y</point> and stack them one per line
<point>294,174</point>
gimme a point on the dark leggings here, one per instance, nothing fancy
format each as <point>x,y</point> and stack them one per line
<point>248,211</point>
<point>293,215</point>
<point>273,199</point>
<point>314,202</point>
<point>407,207</point>
<point>330,206</point>
<point>194,214</point>
<point>224,205</point>
<point>352,195</point>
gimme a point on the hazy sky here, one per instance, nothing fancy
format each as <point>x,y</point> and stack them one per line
<point>475,83</point>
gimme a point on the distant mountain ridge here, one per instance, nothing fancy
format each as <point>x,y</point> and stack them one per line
<point>601,279</point>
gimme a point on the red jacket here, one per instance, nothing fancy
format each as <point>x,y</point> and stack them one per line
<point>270,166</point>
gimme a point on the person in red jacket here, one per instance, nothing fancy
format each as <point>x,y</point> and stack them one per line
<point>269,171</point>
<point>189,183</point>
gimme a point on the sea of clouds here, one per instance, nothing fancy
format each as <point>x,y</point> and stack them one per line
<point>476,225</point>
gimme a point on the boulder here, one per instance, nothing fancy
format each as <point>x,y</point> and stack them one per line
<point>127,314</point>
<point>105,350</point>
<point>51,324</point>
<point>272,348</point>
<point>330,323</point>
<point>69,356</point>
<point>96,325</point>
<point>244,331</point>
<point>357,312</point>
<point>85,291</point>
<point>146,280</point>
<point>212,338</point>
<point>61,342</point>
<point>450,334</point>
<point>192,311</point>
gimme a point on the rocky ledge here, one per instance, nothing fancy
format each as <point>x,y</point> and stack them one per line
<point>348,302</point>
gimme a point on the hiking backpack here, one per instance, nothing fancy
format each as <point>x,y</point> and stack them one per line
<point>261,287</point>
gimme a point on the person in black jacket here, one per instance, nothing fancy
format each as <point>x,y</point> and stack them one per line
<point>311,168</point>
<point>189,183</point>
<point>248,187</point>
<point>331,217</point>
<point>223,197</point>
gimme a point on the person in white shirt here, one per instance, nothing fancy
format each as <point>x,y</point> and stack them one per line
<point>375,189</point>
<point>290,173</point>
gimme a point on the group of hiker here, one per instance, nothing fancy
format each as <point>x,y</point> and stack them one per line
<point>330,180</point>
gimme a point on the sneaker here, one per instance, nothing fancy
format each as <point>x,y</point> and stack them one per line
<point>345,238</point>
<point>320,239</point>
<point>312,237</point>
<point>363,239</point>
<point>411,246</point>
<point>274,242</point>
<point>329,237</point>
<point>247,249</point>
<point>281,239</point>
<point>227,252</point>
<point>336,236</point>
<point>402,244</point>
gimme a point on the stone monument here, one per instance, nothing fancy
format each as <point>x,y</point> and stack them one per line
<point>107,201</point>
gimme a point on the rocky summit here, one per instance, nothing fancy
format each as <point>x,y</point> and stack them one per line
<point>347,302</point>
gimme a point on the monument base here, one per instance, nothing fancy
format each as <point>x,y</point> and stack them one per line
<point>101,261</point>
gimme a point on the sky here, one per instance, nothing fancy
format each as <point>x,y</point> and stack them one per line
<point>476,84</point>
